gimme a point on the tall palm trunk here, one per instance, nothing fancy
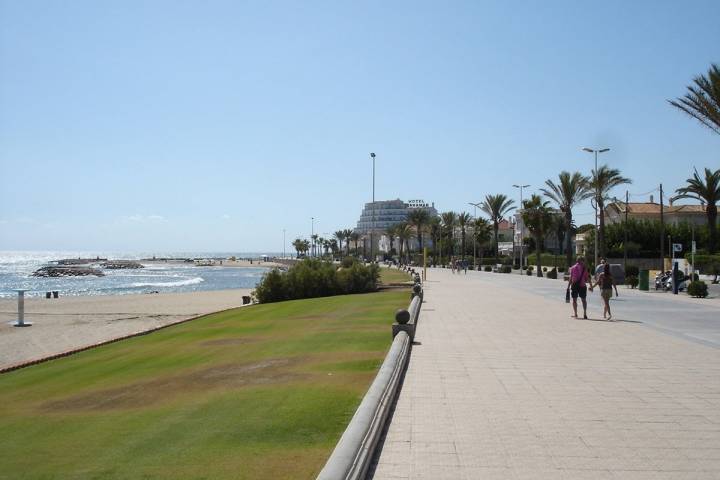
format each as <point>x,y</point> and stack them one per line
<point>538,257</point>
<point>496,228</point>
<point>712,213</point>
<point>601,231</point>
<point>568,239</point>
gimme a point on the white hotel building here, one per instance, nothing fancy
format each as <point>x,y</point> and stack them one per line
<point>377,216</point>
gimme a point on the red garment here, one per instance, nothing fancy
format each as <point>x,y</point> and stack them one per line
<point>578,274</point>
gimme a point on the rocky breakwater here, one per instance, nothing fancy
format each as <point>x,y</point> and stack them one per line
<point>67,271</point>
<point>78,261</point>
<point>121,264</point>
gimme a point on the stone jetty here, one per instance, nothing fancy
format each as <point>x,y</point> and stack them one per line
<point>67,271</point>
<point>79,261</point>
<point>121,264</point>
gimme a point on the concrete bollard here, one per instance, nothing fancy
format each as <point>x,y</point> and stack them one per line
<point>48,294</point>
<point>402,317</point>
<point>21,310</point>
<point>56,294</point>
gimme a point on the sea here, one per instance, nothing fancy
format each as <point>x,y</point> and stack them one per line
<point>16,270</point>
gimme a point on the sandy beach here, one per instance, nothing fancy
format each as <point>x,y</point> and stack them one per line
<point>67,323</point>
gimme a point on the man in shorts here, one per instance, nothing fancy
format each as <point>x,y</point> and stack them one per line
<point>578,285</point>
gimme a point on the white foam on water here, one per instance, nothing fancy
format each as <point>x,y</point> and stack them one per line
<point>180,283</point>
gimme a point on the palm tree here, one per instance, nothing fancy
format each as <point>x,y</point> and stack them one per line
<point>463,221</point>
<point>391,233</point>
<point>305,246</point>
<point>707,191</point>
<point>355,237</point>
<point>347,233</point>
<point>538,217</point>
<point>298,246</point>
<point>404,233</point>
<point>340,236</point>
<point>496,206</point>
<point>435,231</point>
<point>481,233</point>
<point>314,239</point>
<point>570,190</point>
<point>419,217</point>
<point>702,101</point>
<point>449,221</point>
<point>334,247</point>
<point>601,182</point>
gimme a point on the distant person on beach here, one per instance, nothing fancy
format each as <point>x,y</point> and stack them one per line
<point>606,282</point>
<point>452,265</point>
<point>465,265</point>
<point>577,284</point>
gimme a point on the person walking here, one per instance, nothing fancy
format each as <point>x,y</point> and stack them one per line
<point>606,282</point>
<point>578,285</point>
<point>600,269</point>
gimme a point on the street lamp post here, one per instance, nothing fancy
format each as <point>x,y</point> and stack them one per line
<point>283,244</point>
<point>372,225</point>
<point>521,226</point>
<point>312,236</point>
<point>474,205</point>
<point>597,195</point>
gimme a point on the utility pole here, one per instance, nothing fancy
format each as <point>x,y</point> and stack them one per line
<point>312,236</point>
<point>475,205</point>
<point>372,226</point>
<point>693,252</point>
<point>597,195</point>
<point>662,232</point>
<point>627,195</point>
<point>283,244</point>
<point>522,227</point>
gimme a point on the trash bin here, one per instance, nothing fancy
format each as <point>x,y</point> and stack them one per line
<point>246,299</point>
<point>644,280</point>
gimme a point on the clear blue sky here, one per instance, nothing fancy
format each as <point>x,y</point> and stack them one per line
<point>208,125</point>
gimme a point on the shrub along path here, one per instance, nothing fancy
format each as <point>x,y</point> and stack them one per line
<point>259,392</point>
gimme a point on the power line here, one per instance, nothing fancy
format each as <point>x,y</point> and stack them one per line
<point>645,193</point>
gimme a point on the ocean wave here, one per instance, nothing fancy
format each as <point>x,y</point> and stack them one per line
<point>180,283</point>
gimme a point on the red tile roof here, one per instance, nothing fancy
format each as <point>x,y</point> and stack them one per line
<point>648,208</point>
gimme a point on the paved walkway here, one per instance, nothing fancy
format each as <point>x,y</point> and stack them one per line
<point>504,384</point>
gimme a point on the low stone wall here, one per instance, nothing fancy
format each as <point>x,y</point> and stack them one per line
<point>354,452</point>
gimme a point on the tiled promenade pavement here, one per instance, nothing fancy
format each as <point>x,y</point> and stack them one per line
<point>505,385</point>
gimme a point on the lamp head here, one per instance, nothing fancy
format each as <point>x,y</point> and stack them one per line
<point>372,155</point>
<point>586,149</point>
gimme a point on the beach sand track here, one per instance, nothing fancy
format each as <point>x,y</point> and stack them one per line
<point>70,323</point>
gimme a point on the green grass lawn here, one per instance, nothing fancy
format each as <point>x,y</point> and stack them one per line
<point>259,392</point>
<point>393,275</point>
